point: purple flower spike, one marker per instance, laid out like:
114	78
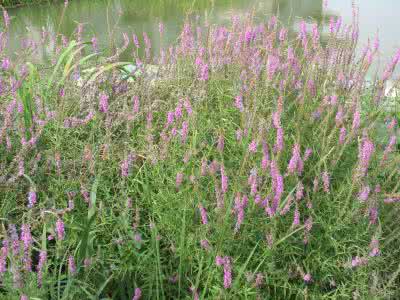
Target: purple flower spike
103	103
32	198
60	229
307	278
138	294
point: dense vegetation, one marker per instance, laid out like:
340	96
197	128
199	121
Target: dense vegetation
243	162
13	3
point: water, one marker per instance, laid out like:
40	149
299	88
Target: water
107	18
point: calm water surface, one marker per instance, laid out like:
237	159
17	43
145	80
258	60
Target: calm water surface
113	17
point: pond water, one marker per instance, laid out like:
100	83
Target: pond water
106	18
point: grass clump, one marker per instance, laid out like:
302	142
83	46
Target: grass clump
242	162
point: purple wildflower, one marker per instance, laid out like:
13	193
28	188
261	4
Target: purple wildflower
6	18
366	150
103	103
279	140
363	195
356	120
273	65
358	261
39	267
135	40
308	224
203	214
214	167
311	87
239	103
60	229
226	263
205	244
277	185
296	217
295	162
204	167
179	179
307	278
299	191
252	181
276	119
32	198
265	159
253	146
161	28
5	64
178	110
170	118
326	181
26	236
307	154
184	131
390	67
392	200
188	107
239	135
203	76
302	30
227	273
339	116
71	265
240	204
373	215
283	34
219	261
272	23
125	165
342	135
374	246
71	205
21	167
333	100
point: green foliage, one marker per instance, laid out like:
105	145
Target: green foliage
132	226
13	3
